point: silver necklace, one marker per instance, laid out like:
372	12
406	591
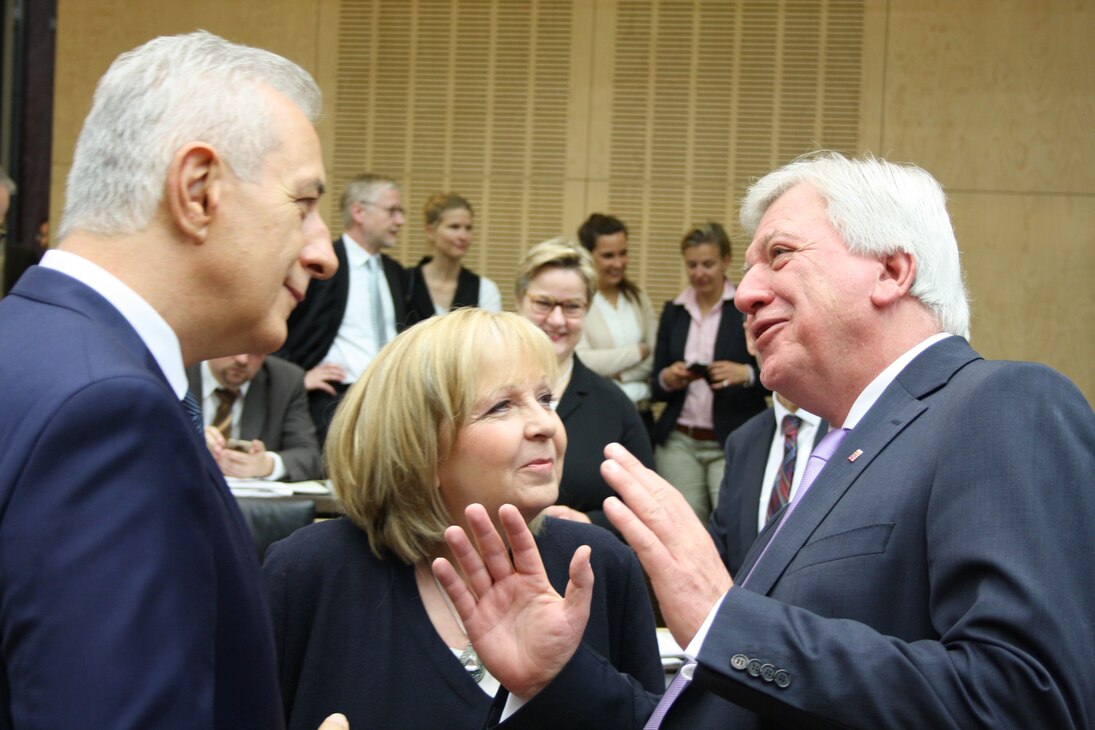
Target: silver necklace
468	657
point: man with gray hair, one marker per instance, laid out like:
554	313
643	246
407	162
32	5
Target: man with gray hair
129	591
337	332
933	569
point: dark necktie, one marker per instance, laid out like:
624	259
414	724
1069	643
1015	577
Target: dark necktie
190	405
818	459
781	489
222	419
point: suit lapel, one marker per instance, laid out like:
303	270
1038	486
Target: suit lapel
255	405
576	391
756	461
898	406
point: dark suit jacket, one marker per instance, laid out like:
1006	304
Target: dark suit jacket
733	406
314	324
733	524
595	413
129	590
940	579
275	410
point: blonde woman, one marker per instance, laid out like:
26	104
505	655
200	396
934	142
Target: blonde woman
555	283
440	282
456	410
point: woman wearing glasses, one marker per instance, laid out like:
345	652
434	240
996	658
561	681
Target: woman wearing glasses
555	284
702	371
440	282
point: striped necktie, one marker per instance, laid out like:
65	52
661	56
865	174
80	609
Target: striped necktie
781	490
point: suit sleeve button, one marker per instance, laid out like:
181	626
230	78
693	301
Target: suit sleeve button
739	661
753	667
767	672
782	679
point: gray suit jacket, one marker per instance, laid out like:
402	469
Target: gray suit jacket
275	410
942	578
733	524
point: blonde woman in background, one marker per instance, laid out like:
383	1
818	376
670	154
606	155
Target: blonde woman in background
454	411
440	282
555	282
620	329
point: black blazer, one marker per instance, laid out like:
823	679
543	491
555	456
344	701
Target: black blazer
733	524
595	413
732	406
314	324
419	304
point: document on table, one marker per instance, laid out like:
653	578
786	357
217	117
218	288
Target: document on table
262	488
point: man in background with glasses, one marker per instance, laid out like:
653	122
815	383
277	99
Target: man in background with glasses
340	328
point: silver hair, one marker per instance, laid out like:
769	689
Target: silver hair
364	188
157	98
880	207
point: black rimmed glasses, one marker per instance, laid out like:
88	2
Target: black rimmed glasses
572	309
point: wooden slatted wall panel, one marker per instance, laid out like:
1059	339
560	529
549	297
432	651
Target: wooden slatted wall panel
468	97
473	96
710	94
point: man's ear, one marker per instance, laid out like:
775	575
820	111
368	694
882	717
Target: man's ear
193	189
895	278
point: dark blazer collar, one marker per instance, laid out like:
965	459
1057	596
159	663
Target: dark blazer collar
577	389
898	406
61	290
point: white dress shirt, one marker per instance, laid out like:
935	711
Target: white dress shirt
356	343
807	432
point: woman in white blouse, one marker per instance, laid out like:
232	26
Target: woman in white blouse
620	328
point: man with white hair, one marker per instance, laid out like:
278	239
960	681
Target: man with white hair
129	591
934	567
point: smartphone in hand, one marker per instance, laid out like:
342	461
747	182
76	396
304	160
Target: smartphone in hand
699	369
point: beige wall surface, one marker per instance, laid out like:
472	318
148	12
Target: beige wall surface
662	110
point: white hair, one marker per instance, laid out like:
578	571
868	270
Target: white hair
879	208
160	96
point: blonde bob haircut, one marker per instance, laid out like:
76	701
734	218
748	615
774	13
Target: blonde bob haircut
556	253
397	423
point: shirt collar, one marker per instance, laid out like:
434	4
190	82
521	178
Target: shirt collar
802	413
687	298
209	383
153	329
355	255
882	381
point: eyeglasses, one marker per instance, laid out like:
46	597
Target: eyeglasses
546	305
392	210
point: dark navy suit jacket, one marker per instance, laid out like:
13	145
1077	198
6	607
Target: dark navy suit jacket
940	579
130	595
733	524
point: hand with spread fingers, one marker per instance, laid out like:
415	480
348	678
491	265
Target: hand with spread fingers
522	629
674	547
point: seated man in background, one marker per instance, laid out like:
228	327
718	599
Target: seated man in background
257	424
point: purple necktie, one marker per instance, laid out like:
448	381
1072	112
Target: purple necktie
684	676
818	459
